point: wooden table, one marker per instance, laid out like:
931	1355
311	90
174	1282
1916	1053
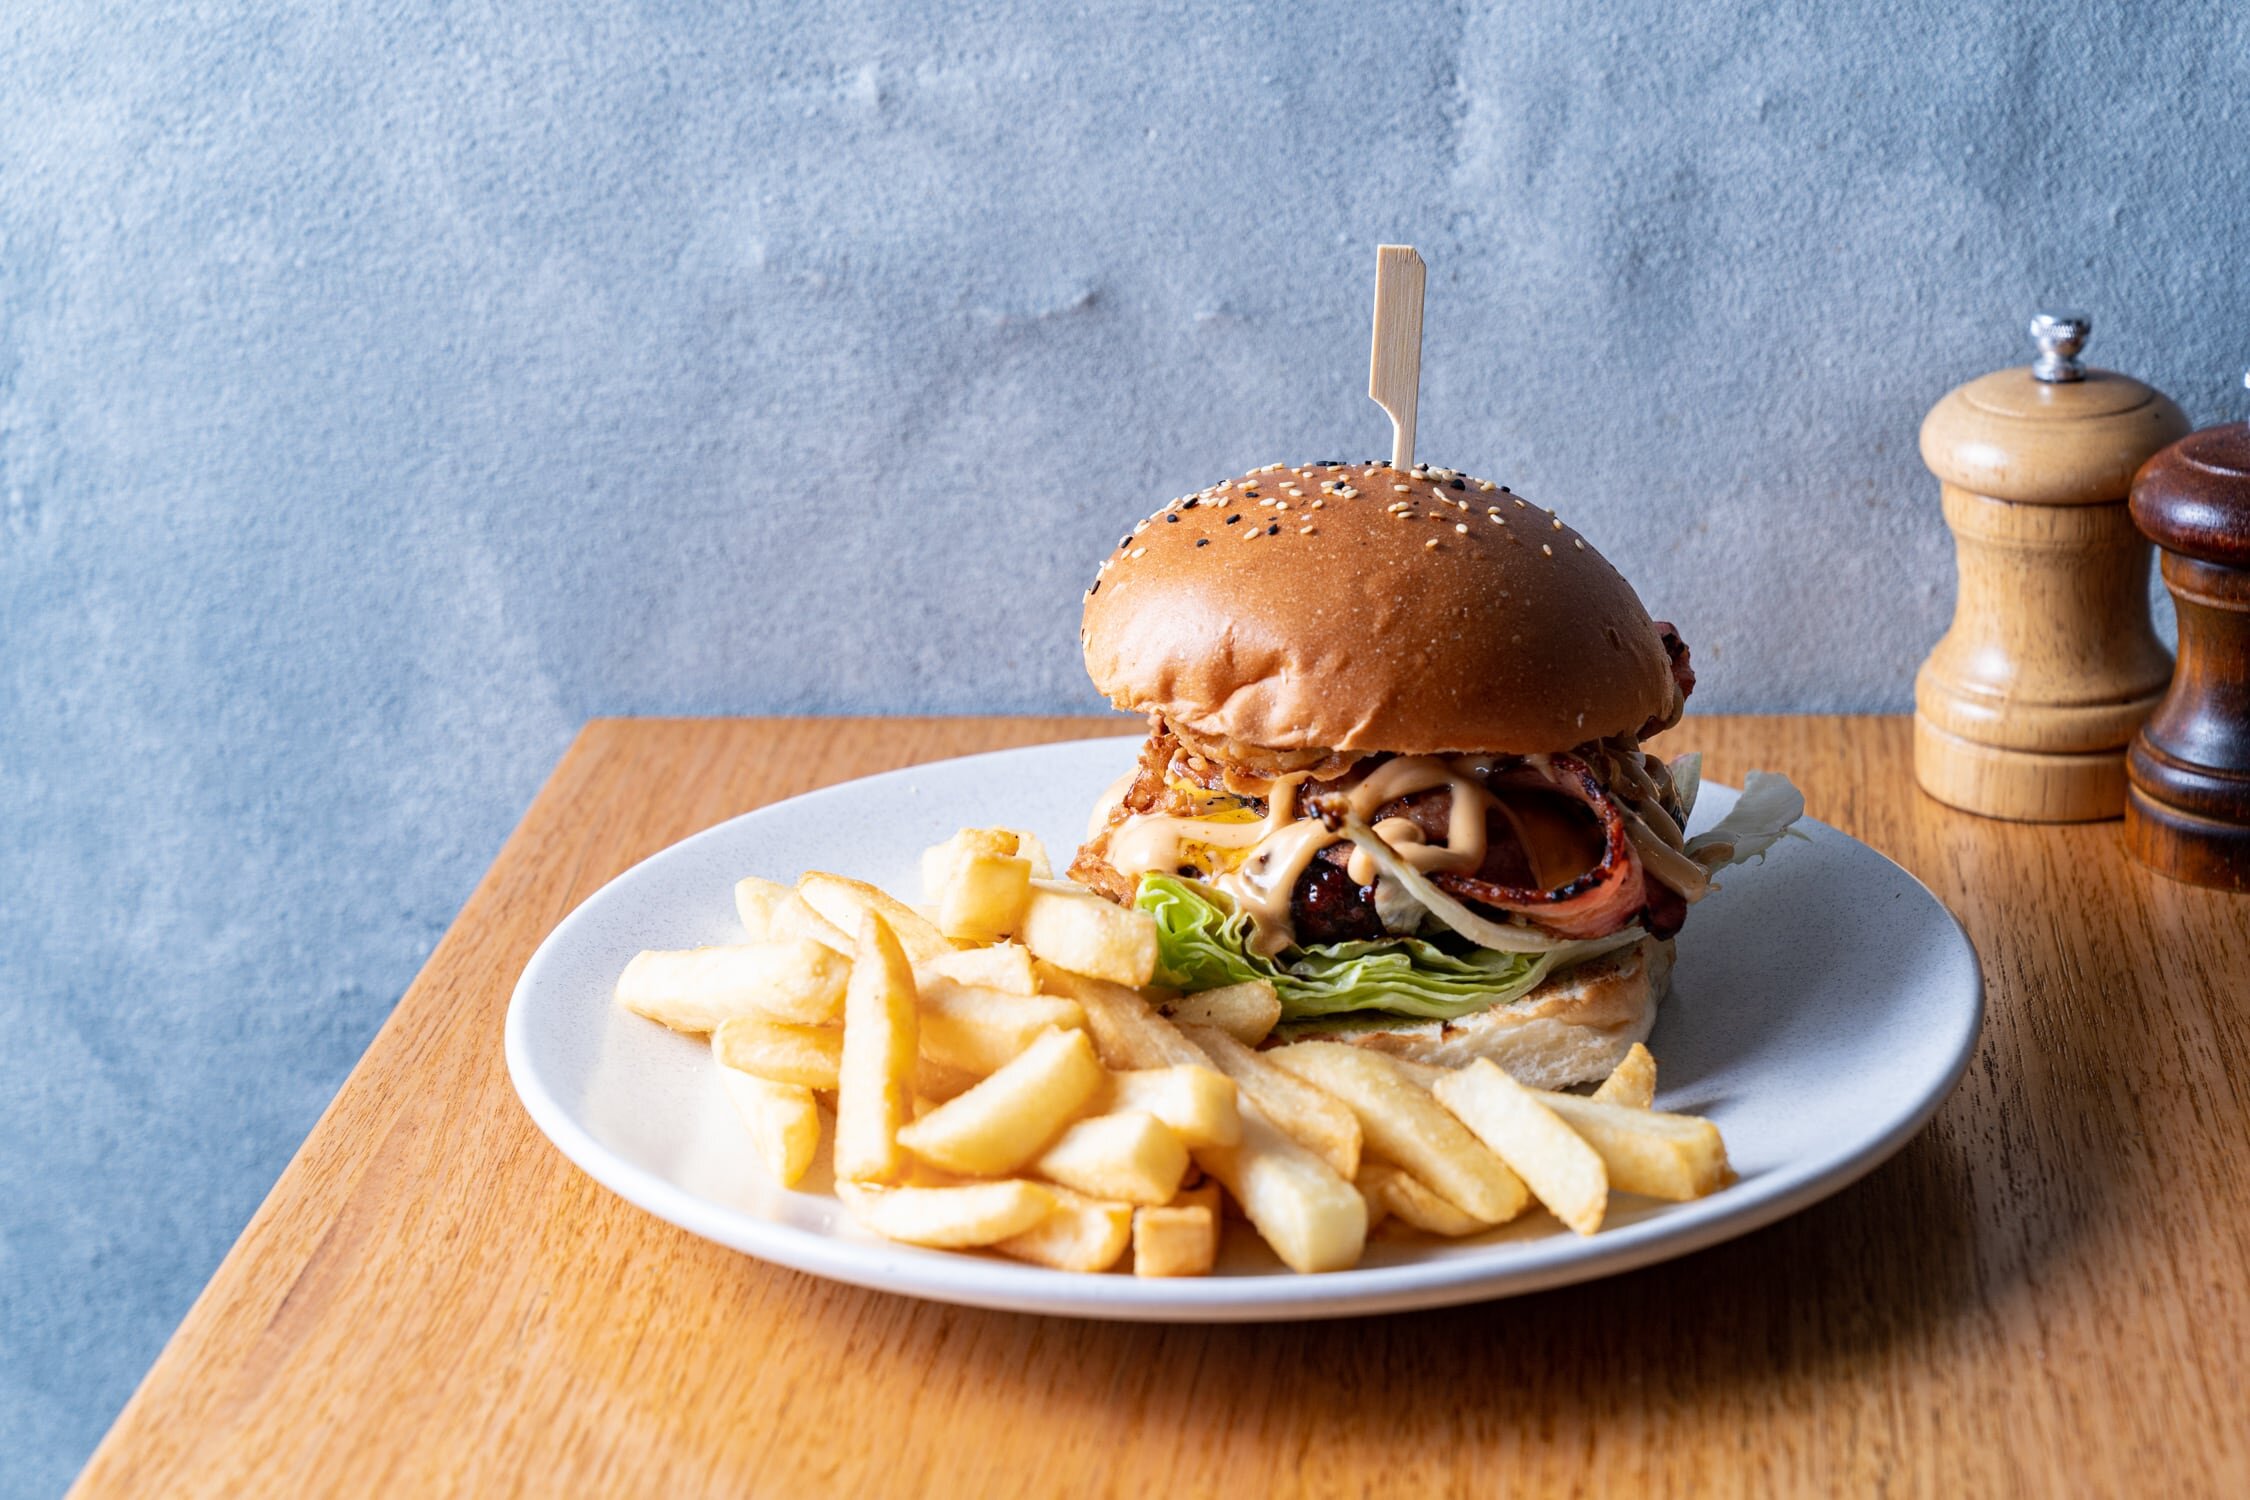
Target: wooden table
2043	1294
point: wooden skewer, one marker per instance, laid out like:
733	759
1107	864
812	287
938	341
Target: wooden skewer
1394	369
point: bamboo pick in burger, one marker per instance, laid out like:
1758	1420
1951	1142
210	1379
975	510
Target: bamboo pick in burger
1394	369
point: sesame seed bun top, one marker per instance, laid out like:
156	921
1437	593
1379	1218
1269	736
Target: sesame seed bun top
1355	608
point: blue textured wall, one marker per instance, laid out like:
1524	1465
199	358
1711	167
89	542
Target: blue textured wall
385	389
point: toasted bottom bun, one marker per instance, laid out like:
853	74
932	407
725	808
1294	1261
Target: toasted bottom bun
1574	1028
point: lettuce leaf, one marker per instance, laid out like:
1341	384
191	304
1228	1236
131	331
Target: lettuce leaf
1203	943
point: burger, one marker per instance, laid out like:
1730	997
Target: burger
1397	767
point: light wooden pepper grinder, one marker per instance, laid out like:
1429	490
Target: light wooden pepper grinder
2025	708
2189	814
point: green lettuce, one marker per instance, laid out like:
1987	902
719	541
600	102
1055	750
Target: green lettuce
1203	943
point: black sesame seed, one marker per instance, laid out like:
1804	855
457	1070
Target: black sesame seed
1097	588
1172	519
1270	530
1505	490
1203	541
1234	518
1190	503
1460	484
1123	542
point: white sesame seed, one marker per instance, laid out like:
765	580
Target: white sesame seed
1558	525
1546	549
1403	488
1519	503
1463	530
1431	544
1486	484
1579	542
1304	531
1281	505
1138	552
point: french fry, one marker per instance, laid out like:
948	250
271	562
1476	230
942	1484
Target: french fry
1425	1074
1313	1219
1562	1171
1323	1124
1677	1157
1179	1239
782	1118
1312	1216
1632	1082
1197	1102
1246	1012
936	1083
755	901
1129	1158
1078	1234
986	898
1003	966
941	862
1396	1192
873	1096
1033	849
1077	930
795	918
1407	1127
779	1051
1127	1031
948	1218
980	1031
1010	1117
843	901
695	989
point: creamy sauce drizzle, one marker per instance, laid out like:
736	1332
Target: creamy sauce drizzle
1111	800
1279	847
1283	844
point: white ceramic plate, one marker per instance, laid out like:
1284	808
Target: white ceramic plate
1823	1005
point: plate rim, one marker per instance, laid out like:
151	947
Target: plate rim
971	1280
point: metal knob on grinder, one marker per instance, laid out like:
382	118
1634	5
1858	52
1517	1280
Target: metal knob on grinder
2188	814
2025	708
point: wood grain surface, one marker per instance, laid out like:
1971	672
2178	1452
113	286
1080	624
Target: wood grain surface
2043	1294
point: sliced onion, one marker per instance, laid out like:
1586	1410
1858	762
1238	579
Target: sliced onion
1687	780
1396	908
1663	861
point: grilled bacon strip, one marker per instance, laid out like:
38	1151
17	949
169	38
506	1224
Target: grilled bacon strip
1598	901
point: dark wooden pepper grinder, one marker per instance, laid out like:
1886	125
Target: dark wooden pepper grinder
2187	812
